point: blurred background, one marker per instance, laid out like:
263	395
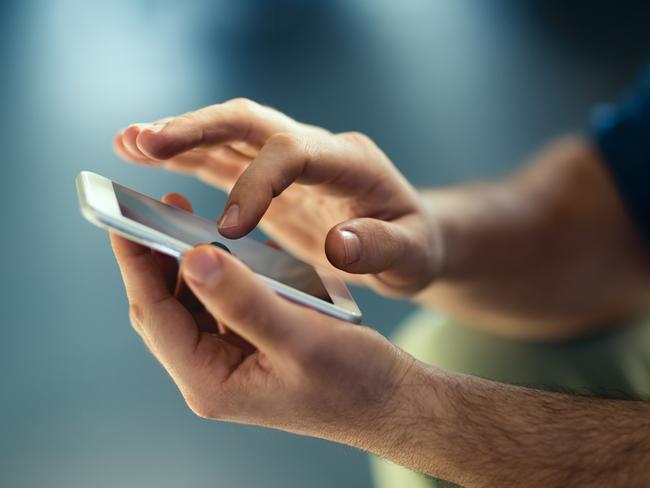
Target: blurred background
453	90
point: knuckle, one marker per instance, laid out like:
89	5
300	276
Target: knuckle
204	401
201	408
358	138
242	103
389	235
184	119
136	316
286	142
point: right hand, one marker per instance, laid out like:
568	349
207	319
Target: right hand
271	362
334	200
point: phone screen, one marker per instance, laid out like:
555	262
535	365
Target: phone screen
191	229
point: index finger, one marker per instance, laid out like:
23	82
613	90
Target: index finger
167	327
235	120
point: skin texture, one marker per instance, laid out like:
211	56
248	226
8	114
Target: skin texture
547	253
305	184
481	433
528	256
300	374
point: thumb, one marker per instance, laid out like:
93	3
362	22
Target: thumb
235	296
371	246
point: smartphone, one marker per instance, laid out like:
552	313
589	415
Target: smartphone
172	231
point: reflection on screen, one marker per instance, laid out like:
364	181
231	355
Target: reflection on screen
193	230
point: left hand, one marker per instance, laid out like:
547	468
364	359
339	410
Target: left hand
275	363
333	200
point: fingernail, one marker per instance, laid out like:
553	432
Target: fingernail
203	266
230	218
352	246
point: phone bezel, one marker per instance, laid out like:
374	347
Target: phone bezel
99	206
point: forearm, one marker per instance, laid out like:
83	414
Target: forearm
479	433
550	247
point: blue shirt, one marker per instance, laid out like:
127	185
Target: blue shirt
622	133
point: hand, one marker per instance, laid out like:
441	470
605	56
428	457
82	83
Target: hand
334	200
274	363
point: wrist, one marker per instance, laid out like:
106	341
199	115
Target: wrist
418	423
436	234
